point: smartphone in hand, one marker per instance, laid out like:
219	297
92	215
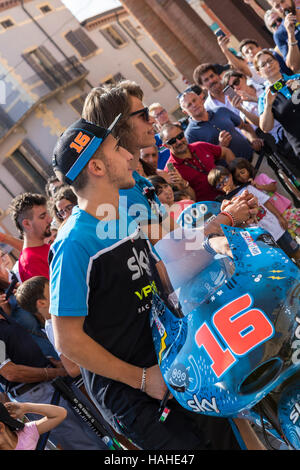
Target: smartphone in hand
170	167
220	33
229	91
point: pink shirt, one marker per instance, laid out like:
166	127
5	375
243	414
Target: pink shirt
28	437
280	202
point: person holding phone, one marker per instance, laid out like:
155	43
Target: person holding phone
206	75
280	101
287	35
193	161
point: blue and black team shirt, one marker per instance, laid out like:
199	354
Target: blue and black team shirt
102	273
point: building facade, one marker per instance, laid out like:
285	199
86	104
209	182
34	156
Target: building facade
185	28
48	64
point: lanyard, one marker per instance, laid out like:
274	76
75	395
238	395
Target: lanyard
191	165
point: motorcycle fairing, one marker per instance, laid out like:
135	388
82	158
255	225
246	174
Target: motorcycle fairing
233	345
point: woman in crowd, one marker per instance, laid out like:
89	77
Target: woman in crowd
280	101
62	204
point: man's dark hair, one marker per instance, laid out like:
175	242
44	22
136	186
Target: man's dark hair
231	73
21	208
245	42
149	170
166	127
202	69
102	106
30	291
216	174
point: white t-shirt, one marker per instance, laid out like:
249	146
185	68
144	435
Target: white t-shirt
266	219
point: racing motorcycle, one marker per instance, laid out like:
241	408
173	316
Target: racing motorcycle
227	337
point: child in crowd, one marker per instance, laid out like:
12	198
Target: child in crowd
244	172
166	196
17	435
33	296
268	217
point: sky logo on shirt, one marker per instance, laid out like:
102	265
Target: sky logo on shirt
139	264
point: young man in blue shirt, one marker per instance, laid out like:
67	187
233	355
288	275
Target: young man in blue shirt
99	321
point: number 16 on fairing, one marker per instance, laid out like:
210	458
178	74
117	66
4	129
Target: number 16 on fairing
241	328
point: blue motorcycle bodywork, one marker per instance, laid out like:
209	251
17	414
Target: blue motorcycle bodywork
234	342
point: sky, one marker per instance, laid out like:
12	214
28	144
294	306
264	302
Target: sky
83	9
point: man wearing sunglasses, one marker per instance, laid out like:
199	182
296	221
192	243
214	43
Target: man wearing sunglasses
135	131
194	161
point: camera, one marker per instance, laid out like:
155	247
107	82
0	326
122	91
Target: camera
277	86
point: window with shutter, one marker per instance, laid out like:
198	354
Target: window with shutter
81	42
131	29
45	8
7	23
24	172
35	158
146	72
114	36
113	79
78	102
47	67
163	65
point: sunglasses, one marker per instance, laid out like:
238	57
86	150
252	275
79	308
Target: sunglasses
222	183
276	23
236	82
144	112
177	137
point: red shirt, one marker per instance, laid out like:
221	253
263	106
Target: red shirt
33	261
197	177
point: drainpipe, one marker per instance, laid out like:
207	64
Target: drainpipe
146	54
50	39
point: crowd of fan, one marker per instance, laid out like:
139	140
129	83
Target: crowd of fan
233	119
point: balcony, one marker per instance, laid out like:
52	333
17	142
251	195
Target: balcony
18	100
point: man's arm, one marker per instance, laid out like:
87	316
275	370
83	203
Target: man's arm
12	241
227	154
80	348
25	374
266	119
237	64
292	59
